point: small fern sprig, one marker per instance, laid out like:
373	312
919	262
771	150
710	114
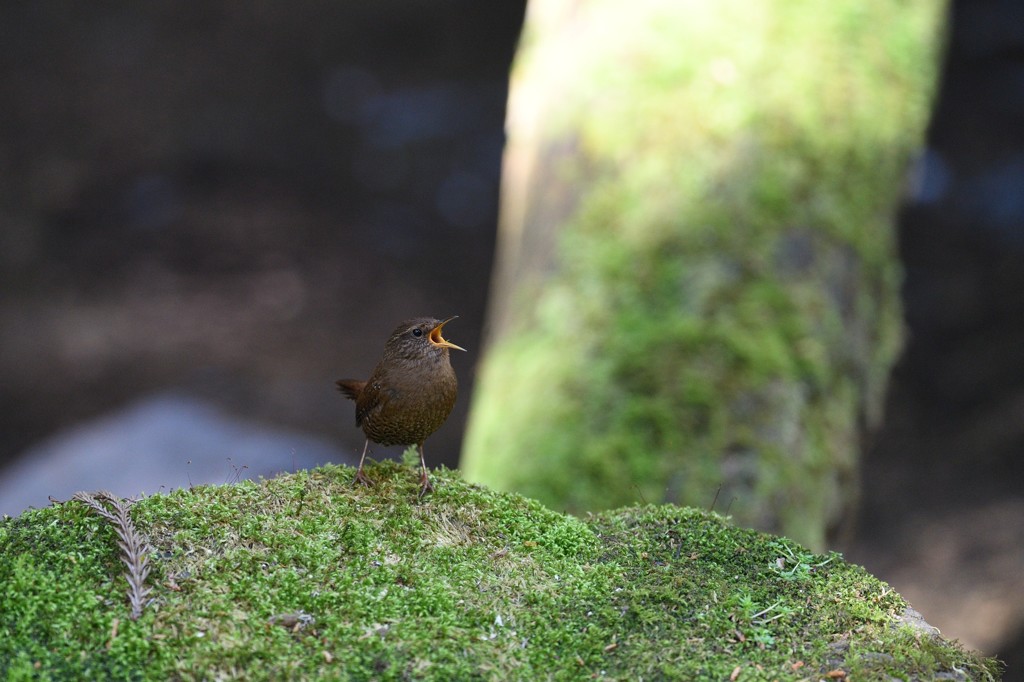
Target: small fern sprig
135	550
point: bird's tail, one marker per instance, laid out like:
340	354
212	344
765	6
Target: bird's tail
351	388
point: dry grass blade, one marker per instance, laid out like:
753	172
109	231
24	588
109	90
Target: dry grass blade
135	550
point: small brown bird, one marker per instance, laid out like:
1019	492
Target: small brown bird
410	393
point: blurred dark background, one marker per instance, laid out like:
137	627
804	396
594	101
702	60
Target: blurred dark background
942	515
219	208
212	210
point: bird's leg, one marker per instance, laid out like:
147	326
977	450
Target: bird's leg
361	478
425	485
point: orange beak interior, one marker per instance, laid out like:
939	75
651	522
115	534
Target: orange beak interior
438	340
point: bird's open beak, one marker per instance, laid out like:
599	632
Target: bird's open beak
438	340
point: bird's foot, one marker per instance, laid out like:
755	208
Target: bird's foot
362	479
425	485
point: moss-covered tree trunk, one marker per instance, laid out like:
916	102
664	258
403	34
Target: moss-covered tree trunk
696	281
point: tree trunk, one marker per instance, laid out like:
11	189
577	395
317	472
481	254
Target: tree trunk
696	291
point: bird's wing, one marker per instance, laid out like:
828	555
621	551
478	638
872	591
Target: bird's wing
371	401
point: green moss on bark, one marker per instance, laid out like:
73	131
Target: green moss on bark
306	577
719	302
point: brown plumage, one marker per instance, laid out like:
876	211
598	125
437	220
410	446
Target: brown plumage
409	394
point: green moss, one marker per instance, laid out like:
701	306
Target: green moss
307	577
722	307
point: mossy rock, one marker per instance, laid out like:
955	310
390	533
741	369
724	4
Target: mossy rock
307	577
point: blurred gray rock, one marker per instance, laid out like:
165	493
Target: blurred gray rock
154	445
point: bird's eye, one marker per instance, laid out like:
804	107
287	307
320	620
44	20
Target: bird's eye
417	332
